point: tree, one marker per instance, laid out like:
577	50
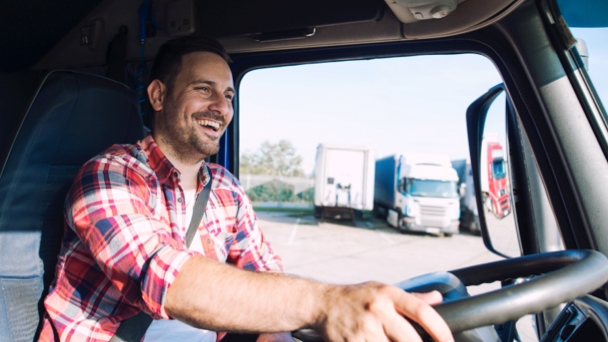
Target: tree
278	159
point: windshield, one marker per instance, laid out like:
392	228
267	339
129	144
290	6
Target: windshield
499	170
431	188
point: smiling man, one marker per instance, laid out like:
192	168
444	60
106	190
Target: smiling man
127	214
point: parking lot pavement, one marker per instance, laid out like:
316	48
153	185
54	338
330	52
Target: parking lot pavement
340	253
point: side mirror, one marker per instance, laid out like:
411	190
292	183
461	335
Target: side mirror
493	194
581	46
462	190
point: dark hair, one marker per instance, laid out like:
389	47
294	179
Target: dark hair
168	61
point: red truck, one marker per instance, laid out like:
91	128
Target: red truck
494	180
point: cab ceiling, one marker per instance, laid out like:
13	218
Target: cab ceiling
55	42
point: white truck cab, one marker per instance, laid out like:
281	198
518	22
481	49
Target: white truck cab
418	193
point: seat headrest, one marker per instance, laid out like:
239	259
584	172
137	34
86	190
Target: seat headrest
87	113
72	118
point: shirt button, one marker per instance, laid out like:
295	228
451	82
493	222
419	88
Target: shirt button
175	174
208	240
179	200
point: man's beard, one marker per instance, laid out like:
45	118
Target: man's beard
186	145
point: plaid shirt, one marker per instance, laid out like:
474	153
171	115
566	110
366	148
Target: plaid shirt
124	240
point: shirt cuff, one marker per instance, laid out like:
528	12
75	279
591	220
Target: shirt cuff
164	267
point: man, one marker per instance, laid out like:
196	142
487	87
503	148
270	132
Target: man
127	214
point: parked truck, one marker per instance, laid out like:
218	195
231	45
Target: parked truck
418	193
469	217
493	174
344	181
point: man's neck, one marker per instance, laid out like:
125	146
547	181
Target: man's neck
189	170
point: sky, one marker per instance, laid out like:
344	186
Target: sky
395	105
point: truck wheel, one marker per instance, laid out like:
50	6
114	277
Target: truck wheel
474	228
318	212
380	212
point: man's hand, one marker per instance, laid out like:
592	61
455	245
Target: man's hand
374	312
275	337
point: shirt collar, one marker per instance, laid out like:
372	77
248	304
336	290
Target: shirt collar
163	167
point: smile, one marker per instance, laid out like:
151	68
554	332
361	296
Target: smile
206	123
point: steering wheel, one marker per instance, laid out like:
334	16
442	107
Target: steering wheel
559	277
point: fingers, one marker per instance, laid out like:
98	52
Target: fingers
375	312
399	330
418	310
431	298
374	332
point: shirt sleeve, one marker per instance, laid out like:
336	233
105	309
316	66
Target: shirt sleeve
109	209
250	250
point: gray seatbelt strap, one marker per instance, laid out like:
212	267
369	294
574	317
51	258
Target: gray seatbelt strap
133	329
199	211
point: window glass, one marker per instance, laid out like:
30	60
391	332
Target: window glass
431	188
360	170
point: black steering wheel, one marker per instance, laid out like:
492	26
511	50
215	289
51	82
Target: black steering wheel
559	277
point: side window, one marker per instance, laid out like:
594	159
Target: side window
360	170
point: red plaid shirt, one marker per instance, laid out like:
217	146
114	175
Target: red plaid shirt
124	240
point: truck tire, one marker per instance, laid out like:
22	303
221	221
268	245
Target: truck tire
380	211
474	227
318	212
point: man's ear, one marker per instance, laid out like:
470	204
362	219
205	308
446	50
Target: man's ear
157	92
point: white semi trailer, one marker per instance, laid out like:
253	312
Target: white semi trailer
344	180
418	193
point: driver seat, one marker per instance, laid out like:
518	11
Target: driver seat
72	118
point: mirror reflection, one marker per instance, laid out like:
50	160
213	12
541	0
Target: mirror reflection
496	182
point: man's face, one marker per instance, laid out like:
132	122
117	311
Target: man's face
196	112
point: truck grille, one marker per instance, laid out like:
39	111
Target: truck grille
427	210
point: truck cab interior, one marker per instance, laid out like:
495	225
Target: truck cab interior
70	86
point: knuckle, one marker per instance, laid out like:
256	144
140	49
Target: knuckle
374	307
365	326
422	311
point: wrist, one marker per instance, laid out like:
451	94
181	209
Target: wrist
325	295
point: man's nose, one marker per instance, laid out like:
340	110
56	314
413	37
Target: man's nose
220	104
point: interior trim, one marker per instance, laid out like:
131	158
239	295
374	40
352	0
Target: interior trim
469	16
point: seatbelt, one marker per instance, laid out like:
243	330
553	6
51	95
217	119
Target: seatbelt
133	329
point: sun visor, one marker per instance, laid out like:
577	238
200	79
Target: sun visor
236	17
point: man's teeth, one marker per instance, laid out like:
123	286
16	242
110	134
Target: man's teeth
209	123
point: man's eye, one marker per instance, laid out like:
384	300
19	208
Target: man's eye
205	91
229	96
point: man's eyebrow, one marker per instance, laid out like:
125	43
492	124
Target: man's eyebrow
211	83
